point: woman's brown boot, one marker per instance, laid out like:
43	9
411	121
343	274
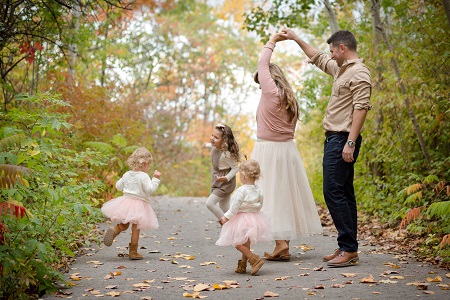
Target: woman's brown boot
256	262
133	254
110	234
241	267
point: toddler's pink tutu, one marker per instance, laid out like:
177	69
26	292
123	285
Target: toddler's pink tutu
126	209
245	226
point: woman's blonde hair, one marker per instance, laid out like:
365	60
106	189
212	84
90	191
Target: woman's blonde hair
250	169
140	157
286	94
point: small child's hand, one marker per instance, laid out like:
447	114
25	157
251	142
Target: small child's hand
156	174
223	220
221	179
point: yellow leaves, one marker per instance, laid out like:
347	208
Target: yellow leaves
219	286
392	265
115	273
194	295
435	279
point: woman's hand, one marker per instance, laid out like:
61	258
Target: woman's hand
276	37
221	179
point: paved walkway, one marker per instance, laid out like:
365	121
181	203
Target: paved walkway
181	256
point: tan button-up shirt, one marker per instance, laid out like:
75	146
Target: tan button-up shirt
352	88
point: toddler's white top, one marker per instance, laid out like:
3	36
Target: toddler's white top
137	183
247	198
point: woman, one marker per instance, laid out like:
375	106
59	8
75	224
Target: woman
287	196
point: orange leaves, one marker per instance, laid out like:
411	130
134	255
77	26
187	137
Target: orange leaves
445	241
410	216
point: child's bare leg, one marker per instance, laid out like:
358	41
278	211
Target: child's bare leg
123	226
245	250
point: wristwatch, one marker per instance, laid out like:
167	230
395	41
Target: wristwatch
351	143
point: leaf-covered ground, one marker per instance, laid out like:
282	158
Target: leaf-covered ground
181	261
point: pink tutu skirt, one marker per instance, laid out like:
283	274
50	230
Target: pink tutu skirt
245	226
126	209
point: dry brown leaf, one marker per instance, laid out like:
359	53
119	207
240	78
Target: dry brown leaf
443	286
95	292
283	278
174	262
201	287
319	287
121	267
111	287
208	263
115	273
391	265
376	293
318	269
387	281
447	275
304	274
113	294
142	285
428	292
368	279
219	286
435	279
338	285
397	277
348	274
270	294
146	298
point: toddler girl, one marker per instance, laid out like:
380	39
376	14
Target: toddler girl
225	158
244	223
134	205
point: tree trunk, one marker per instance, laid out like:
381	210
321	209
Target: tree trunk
412	116
73	48
447	9
332	17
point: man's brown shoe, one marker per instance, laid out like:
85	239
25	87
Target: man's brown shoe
344	259
331	256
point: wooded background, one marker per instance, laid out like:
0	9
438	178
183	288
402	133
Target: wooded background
84	82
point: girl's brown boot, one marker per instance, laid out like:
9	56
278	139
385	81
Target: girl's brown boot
133	254
241	267
256	262
110	234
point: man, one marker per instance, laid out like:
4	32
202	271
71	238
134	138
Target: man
343	122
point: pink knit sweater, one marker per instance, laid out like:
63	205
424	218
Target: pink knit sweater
272	123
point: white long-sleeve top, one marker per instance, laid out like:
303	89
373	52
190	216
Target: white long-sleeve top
227	162
247	198
138	184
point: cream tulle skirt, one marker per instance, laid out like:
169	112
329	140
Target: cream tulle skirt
243	227
126	209
288	199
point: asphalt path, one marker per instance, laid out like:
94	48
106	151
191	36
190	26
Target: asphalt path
181	261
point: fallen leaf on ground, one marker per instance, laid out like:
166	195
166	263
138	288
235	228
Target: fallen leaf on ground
338	285
110	287
113	294
208	263
201	287
115	273
397	277
319	287
283	278
304	274
318	269
270	294
443	286
219	286
95	262
146	298
428	292
435	279
368	279
391	265
348	274
447	275
142	285
387	281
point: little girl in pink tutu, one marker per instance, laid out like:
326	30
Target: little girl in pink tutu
134	205
244	224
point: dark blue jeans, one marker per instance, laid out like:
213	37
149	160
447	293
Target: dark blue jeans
338	190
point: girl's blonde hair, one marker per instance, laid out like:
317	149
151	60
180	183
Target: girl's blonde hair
140	157
250	169
286	94
229	143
